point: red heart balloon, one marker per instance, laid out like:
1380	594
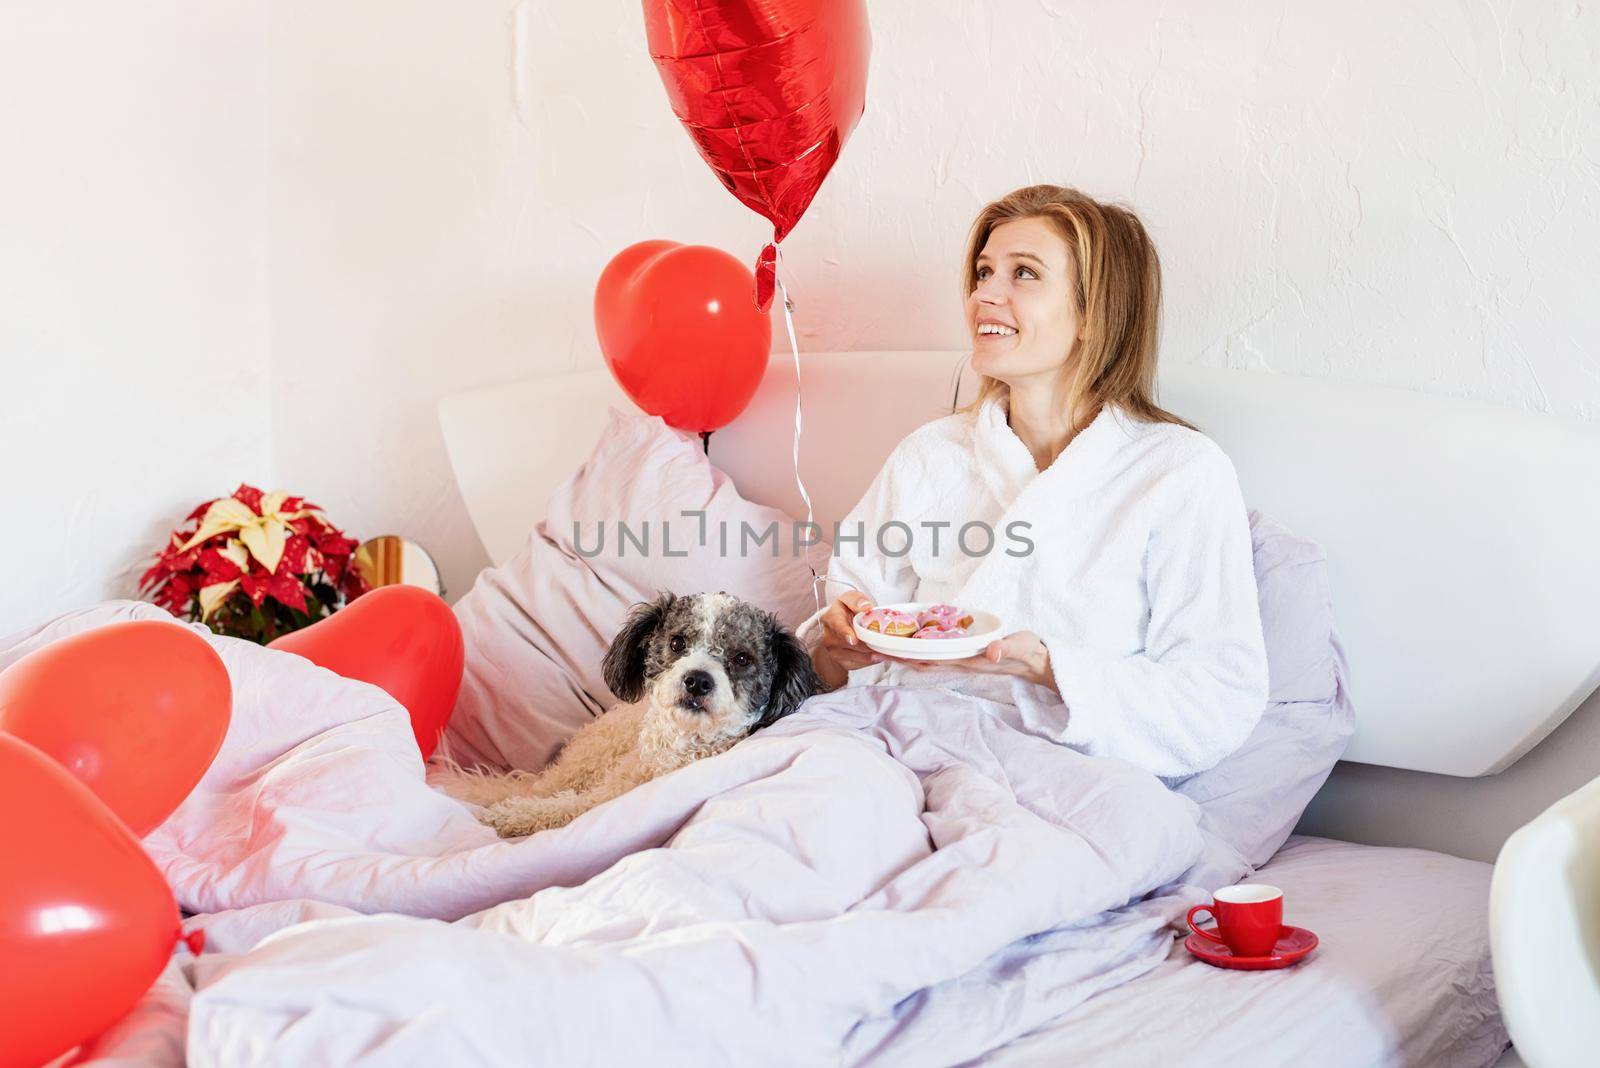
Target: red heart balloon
769	90
136	710
402	639
86	920
679	333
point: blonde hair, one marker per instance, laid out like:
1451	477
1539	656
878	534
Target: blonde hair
1117	287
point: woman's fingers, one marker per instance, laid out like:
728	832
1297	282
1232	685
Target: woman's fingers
851	656
839	648
851	659
836	621
836	625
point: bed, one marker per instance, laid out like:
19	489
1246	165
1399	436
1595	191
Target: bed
886	877
1404	974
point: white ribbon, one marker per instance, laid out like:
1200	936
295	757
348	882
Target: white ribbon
794	349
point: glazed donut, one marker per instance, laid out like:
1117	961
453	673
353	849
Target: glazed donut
944	615
889	621
935	631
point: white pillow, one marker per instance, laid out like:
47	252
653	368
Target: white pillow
1251	801
537	626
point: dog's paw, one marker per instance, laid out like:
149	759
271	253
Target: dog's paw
516	817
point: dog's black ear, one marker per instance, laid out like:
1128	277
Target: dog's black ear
794	678
623	665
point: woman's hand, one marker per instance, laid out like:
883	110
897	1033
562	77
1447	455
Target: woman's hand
1022	654
840	651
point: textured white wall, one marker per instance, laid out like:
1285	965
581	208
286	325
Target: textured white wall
132	285
1405	192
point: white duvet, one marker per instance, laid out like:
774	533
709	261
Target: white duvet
891	875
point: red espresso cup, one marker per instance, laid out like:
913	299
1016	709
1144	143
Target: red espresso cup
1249	918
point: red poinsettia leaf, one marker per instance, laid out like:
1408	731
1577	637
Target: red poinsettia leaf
174	594
249	496
334	567
287	590
292	504
293	561
201	510
177	563
255	587
335	544
217	568
304	525
354	584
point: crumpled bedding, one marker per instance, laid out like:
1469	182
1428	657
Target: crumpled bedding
882	842
891	875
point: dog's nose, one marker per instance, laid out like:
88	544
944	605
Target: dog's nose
698	683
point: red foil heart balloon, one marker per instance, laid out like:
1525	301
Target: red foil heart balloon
136	710
769	90
402	639
86	920
679	333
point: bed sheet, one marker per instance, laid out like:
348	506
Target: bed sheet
879	878
865	873
1402	976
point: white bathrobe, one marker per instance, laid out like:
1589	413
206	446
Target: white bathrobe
1139	580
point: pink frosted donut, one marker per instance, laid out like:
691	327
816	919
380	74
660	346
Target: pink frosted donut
944	615
935	631
889	621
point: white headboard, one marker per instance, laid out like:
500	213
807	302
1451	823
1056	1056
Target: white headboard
1463	539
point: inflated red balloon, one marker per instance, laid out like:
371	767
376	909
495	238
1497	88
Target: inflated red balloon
87	923
680	334
136	710
402	639
769	90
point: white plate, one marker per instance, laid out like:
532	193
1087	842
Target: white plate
985	629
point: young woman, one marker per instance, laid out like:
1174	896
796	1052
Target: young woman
1108	534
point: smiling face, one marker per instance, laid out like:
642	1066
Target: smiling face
1023	312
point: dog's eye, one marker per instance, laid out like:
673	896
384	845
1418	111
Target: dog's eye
740	660
677	644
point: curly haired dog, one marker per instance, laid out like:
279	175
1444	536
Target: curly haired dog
695	674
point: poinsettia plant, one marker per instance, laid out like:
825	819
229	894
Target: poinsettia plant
255	565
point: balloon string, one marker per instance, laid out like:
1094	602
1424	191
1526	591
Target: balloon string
794	349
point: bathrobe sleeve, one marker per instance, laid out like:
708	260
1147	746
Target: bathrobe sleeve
1197	689
856	562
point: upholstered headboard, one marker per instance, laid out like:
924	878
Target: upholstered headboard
1463	539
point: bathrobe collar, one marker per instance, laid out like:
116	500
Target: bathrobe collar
1007	465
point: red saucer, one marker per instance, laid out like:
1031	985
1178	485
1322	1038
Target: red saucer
1293	944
